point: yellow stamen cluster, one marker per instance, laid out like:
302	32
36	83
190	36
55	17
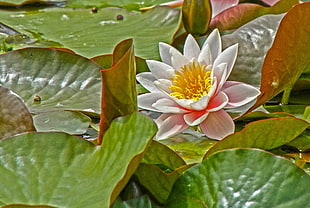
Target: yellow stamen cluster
192	82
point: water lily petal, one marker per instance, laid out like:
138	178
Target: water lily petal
164	51
215	44
146	79
239	93
228	56
163	84
196	117
166	105
218	125
147	100
239	111
220	72
191	48
160	70
205	57
169	125
201	104
218	102
220	5
177	59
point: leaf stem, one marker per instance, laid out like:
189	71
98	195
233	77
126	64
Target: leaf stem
286	96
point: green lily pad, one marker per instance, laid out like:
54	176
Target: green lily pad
25	2
265	134
61	80
127	4
14	115
119	94
254	40
60	170
65	121
92	34
284	63
242	178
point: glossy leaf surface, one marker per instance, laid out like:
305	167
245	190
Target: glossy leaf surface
265	134
284	63
61	79
14	115
240	14
89	34
64	171
119	94
242	178
66	121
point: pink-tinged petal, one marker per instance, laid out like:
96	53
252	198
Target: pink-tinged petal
185	103
147	100
169	125
239	111
215	44
228	56
195	118
191	48
166	105
205	57
146	79
220	5
218	125
218	102
159	69
270	2
201	104
240	94
214	87
220	72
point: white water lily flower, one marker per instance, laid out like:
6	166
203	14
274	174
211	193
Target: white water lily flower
192	89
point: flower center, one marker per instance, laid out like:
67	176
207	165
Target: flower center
192	82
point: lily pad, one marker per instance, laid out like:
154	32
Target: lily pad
265	134
90	34
242	178
284	63
255	39
236	16
14	115
127	4
65	121
60	170
58	79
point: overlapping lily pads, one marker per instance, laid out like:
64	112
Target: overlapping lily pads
64	171
242	178
91	34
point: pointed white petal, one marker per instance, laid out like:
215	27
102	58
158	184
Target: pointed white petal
166	105
163	84
201	104
164	51
146	79
218	125
239	93
147	100
218	102
191	48
159	69
169	125
220	72
177	59
195	118
228	56
239	111
215	44
205	57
